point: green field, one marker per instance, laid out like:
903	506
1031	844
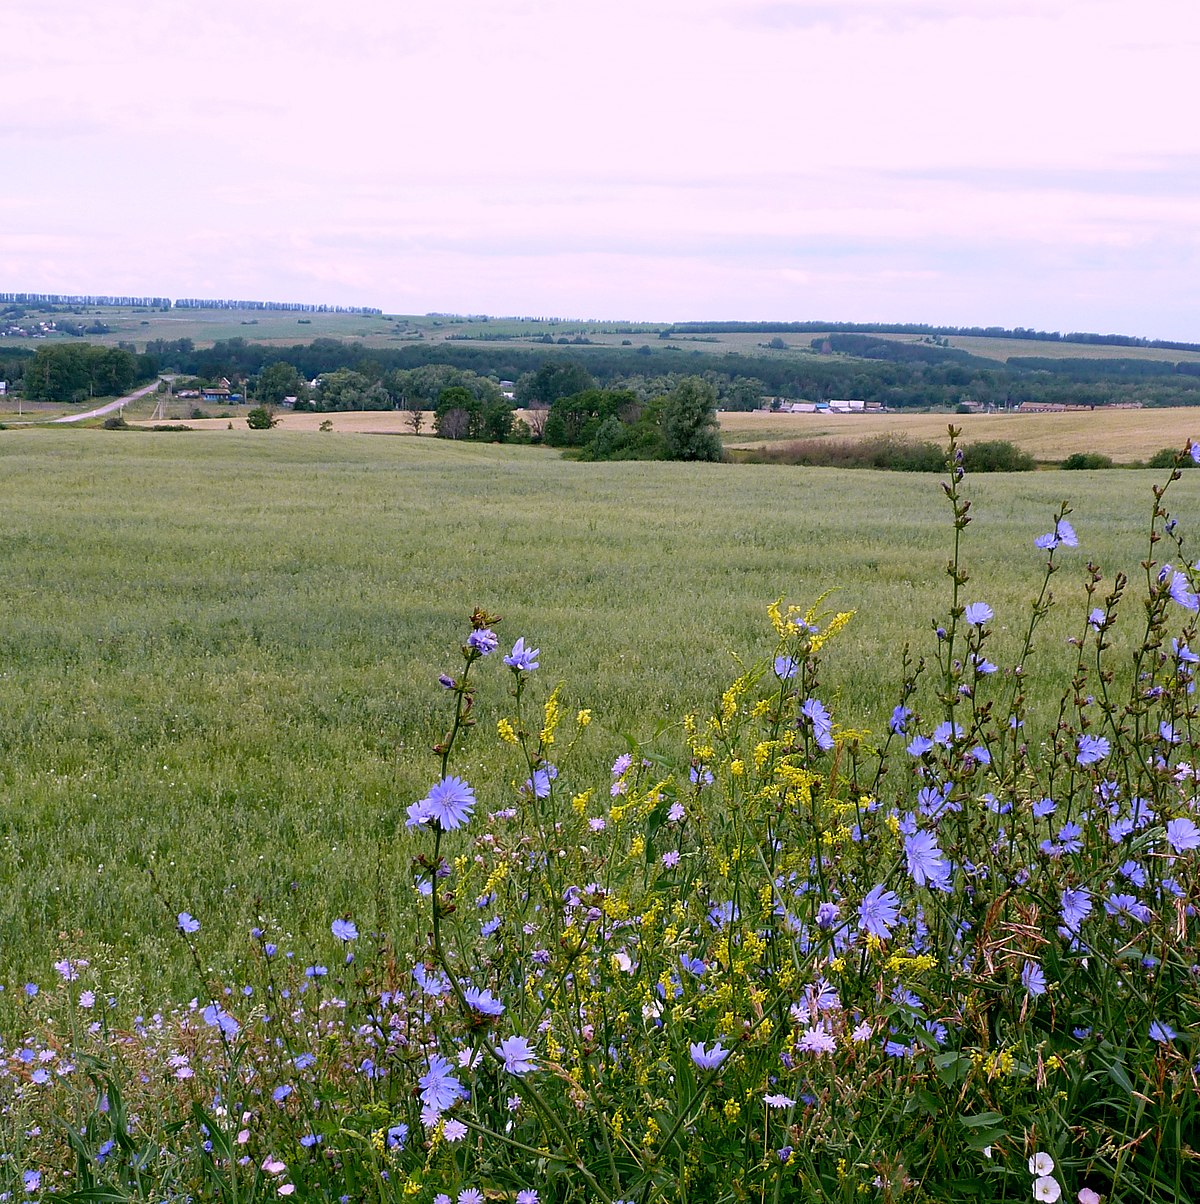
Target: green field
220	650
285	328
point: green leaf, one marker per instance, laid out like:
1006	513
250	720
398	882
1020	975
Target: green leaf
980	1120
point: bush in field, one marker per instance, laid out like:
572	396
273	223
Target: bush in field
1168	457
996	455
261	418
877	451
765	957
1092	460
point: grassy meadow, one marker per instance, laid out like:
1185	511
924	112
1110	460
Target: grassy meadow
220	650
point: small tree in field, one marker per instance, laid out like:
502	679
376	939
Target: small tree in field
689	421
261	418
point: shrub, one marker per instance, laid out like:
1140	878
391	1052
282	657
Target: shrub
996	455
1169	457
1078	460
261	418
116	422
877	451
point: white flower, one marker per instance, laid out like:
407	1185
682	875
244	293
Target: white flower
1046	1189
1041	1164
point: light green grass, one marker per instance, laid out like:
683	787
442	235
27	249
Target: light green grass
219	652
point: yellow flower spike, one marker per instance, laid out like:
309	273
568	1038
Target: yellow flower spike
732	1110
552	714
579	804
583	718
412	1187
774	613
893	823
737	768
506	731
834	626
496	877
689	724
760	708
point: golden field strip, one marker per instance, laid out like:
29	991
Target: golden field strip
1128	436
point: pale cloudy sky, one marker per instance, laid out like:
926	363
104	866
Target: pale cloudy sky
1011	162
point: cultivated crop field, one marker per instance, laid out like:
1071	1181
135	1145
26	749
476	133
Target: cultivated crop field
1125	435
220	651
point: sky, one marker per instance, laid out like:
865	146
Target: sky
1010	162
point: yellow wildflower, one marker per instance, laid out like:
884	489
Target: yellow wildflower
552	715
506	731
583	718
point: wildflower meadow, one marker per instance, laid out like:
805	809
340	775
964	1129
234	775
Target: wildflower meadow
759	955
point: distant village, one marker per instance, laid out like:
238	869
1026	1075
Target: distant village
784	405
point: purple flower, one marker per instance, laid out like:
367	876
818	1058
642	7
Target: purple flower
397	1135
1092	749
449	804
31	1180
898	722
1121	905
344	930
1162	1032
470	1195
439	1088
483	641
281	1092
1076	907
786	667
539	784
919	746
879	912
528	1196
186	923
977	613
1033	979
822	722
1098	619
707	1059
925	862
522	658
483	1002
1181	592
1069	838
518	1056
1182	834
1066	534
216	1016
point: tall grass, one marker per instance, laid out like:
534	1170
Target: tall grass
217	649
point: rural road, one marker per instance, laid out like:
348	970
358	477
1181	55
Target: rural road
112	405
